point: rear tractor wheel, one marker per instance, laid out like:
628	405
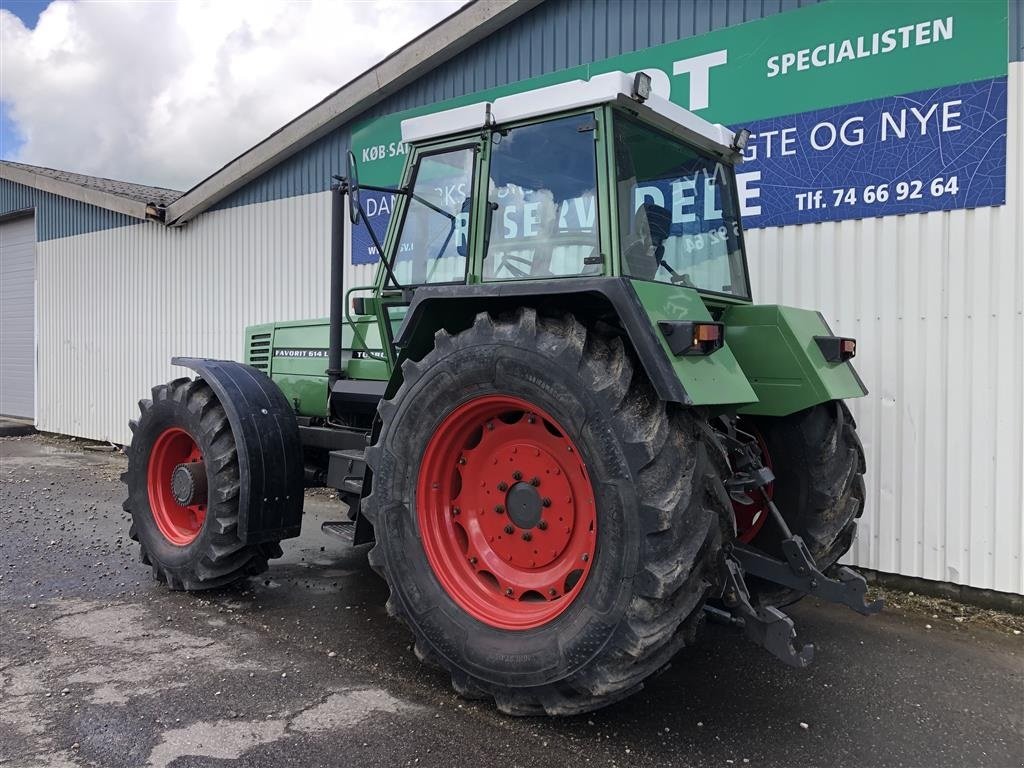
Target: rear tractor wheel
548	528
818	462
183	487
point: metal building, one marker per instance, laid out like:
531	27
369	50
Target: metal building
125	276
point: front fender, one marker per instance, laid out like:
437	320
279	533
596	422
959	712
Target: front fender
266	432
638	305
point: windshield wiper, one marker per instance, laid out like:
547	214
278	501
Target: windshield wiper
389	264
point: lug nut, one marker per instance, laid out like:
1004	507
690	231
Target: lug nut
509	529
531	419
500	509
517	475
503	486
543	525
456	511
472	561
546	501
586	557
526	536
552	592
462	460
508	592
535	481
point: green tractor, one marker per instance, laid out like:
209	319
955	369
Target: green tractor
557	415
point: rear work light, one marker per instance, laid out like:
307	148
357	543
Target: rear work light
687	338
836	349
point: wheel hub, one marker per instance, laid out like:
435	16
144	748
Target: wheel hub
506	512
188	483
524	505
176	484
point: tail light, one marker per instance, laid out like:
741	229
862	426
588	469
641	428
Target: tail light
686	338
836	349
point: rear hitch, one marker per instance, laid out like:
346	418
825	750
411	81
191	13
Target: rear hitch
800	573
765	625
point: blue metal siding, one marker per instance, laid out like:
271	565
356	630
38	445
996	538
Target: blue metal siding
58	216
305	172
556	35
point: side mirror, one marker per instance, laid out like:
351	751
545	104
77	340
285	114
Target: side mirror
352	174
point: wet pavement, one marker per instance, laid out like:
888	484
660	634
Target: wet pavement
102	666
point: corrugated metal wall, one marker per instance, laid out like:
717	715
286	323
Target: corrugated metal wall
115	305
935	301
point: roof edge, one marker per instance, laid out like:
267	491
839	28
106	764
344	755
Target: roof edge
73	191
443	41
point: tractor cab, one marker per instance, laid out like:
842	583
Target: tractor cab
617	182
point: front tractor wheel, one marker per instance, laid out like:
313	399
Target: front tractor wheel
183	486
548	528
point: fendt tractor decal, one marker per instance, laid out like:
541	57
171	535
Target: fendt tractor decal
301	352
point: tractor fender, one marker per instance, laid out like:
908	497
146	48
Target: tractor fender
776	347
266	432
712	380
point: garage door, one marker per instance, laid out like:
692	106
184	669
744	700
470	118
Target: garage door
17	317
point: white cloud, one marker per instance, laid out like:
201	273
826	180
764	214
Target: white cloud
165	93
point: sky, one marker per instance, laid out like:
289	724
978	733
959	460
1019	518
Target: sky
165	92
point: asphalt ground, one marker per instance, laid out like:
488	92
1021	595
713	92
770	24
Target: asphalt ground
102	666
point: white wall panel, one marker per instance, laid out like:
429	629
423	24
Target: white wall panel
114	306
18	317
935	301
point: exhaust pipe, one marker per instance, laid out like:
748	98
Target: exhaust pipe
337	284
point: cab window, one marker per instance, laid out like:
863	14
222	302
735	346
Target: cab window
432	243
542	201
679	220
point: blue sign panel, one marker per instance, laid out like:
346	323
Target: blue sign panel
934	150
378	207
928	151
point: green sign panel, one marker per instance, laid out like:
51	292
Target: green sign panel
838	52
857	108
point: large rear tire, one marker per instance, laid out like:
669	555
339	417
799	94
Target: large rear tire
183	487
564	598
819	467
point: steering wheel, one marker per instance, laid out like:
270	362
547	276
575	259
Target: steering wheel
524	266
639	257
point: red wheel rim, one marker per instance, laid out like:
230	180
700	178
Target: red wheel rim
180	524
750	517
491	465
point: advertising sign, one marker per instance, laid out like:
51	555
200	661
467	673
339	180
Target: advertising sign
856	109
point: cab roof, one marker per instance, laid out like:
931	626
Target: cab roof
610	88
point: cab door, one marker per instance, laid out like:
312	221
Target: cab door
432	235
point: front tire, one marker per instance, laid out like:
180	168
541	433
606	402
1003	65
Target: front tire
639	512
183	488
